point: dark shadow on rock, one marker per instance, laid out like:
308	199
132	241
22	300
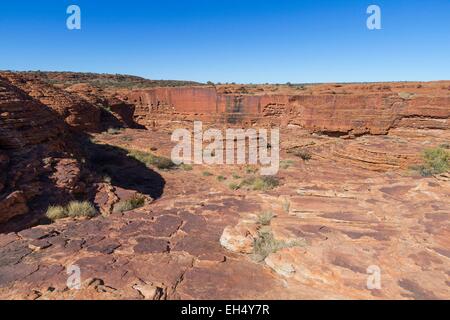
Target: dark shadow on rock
120	116
124	171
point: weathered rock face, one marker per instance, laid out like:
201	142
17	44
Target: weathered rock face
370	113
34	145
23	120
114	112
77	112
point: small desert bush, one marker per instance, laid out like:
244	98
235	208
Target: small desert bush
435	161
302	154
221	178
263	183
130	204
81	209
207	174
235	176
234	186
56	212
149	159
266	244
265	218
186	167
250	170
445	145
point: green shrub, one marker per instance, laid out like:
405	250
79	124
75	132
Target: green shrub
436	161
266	244
207	174
163	163
445	145
234	186
265	218
221	178
56	212
302	154
186	167
263	183
136	202
149	159
235	176
250	170
81	209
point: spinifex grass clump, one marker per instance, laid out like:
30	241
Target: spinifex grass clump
262	183
81	209
435	161
265	218
136	202
265	244
73	209
150	159
56	212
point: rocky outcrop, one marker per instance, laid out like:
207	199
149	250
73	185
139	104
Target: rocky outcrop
115	112
23	120
35	146
77	112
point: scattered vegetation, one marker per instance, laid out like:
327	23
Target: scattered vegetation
207	174
56	212
221	178
186	167
262	183
250	170
234	186
136	202
73	209
302	154
105	81
266	244
435	161
445	145
265	218
235	176
81	209
149	159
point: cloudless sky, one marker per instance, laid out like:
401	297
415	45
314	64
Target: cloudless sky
244	41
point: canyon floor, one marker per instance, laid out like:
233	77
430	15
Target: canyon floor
348	209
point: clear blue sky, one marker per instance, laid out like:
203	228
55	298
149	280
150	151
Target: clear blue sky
244	41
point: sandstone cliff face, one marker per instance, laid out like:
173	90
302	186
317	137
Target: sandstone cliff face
78	113
372	113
